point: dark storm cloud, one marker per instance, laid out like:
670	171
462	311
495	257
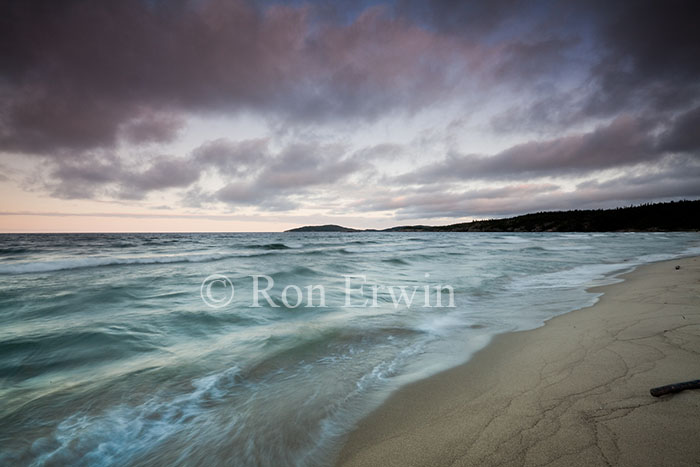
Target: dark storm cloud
684	134
464	17
81	74
78	70
153	128
525	61
649	60
643	59
78	74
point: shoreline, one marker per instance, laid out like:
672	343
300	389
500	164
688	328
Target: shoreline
572	392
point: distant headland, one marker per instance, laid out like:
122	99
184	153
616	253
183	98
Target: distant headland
659	217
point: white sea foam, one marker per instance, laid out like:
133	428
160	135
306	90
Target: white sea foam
441	325
122	432
579	276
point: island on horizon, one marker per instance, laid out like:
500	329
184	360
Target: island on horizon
658	217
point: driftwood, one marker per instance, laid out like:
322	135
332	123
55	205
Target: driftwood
673	388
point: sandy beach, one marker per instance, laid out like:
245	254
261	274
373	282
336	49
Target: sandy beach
574	392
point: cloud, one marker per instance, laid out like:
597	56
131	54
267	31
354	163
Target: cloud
545	112
431	203
289	174
624	141
638	71
82	179
152	127
103	91
105	175
464	17
523	62
675	180
254	174
639	59
73	80
233	157
684	134
162	173
83	75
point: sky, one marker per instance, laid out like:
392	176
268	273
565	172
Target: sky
213	115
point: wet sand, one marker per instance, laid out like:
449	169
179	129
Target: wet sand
574	392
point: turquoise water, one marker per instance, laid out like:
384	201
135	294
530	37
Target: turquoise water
109	355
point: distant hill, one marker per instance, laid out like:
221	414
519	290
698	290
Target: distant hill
323	228
659	217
